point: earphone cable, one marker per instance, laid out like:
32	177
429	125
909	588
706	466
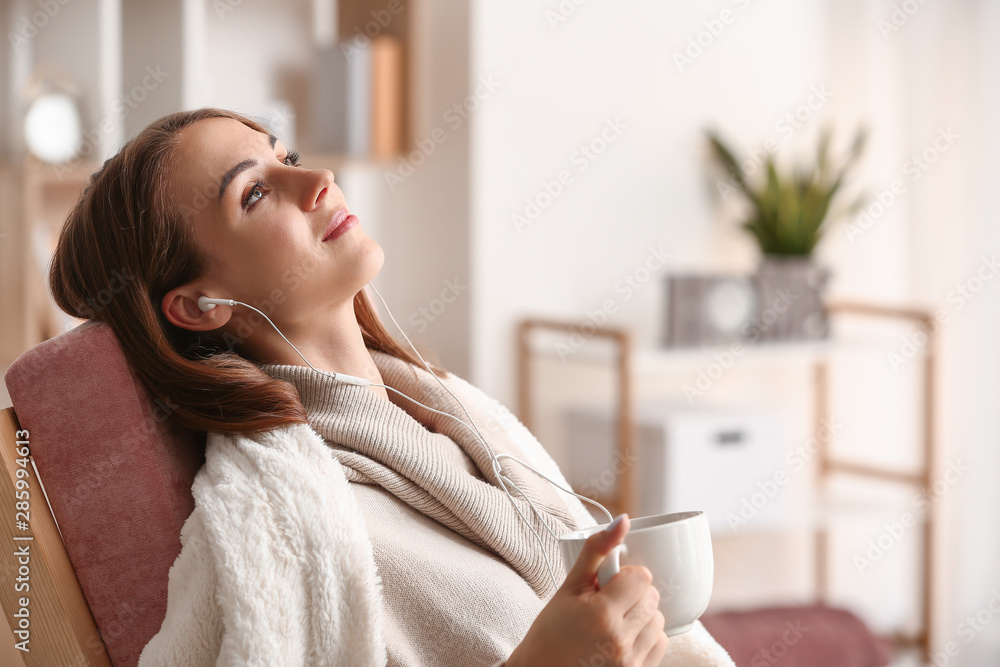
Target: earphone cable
497	470
497	467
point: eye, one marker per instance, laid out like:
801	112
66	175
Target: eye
255	194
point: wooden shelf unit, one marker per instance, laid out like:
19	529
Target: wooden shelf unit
103	47
829	465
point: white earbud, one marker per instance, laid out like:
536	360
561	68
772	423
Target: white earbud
207	304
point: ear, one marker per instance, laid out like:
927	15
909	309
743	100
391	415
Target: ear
180	307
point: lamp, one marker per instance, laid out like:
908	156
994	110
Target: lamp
52	125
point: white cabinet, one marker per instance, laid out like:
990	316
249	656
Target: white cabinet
726	463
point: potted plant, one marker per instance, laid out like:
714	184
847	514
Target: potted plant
788	214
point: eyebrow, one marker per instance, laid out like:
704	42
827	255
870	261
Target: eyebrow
240	168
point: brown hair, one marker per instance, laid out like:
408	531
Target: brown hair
123	247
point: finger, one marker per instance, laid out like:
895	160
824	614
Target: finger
647	638
643	610
595	548
627	588
655	656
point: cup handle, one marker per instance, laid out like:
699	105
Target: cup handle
610	566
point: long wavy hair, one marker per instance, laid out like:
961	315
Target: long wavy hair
123	238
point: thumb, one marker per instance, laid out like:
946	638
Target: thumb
595	548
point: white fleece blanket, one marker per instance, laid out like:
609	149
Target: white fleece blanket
276	567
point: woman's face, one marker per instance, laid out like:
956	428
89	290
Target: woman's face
261	222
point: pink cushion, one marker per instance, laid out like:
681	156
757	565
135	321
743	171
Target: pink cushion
117	474
807	636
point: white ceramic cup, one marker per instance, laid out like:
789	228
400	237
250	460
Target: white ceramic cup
677	549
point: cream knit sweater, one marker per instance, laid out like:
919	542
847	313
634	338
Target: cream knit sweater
462	576
377	535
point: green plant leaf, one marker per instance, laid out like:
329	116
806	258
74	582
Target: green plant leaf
725	156
790	210
823	152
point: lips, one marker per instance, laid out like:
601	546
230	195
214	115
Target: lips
339	216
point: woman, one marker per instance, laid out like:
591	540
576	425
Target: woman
207	202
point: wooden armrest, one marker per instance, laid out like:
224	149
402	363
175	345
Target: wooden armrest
36	575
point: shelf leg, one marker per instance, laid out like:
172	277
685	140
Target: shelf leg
822	537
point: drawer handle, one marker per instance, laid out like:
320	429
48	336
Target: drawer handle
729	437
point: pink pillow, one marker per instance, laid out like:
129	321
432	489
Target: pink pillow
807	636
117	473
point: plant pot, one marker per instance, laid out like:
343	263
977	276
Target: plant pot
791	290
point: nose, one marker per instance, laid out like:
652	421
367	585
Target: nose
316	188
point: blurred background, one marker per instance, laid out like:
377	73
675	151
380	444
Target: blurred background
792	327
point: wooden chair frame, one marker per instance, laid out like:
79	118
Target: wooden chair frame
921	479
59	627
625	499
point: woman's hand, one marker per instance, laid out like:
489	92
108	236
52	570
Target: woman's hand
619	625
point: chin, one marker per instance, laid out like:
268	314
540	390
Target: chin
370	262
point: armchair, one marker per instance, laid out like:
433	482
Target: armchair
104	530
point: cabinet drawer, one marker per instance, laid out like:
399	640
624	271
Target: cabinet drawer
719	461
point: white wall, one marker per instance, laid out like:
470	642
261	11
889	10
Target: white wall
150	30
426	277
975	552
245	67
558	85
558	88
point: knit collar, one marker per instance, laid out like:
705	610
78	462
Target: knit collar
329	402
410	452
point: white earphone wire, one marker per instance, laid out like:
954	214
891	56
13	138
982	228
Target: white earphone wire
502	479
498	468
